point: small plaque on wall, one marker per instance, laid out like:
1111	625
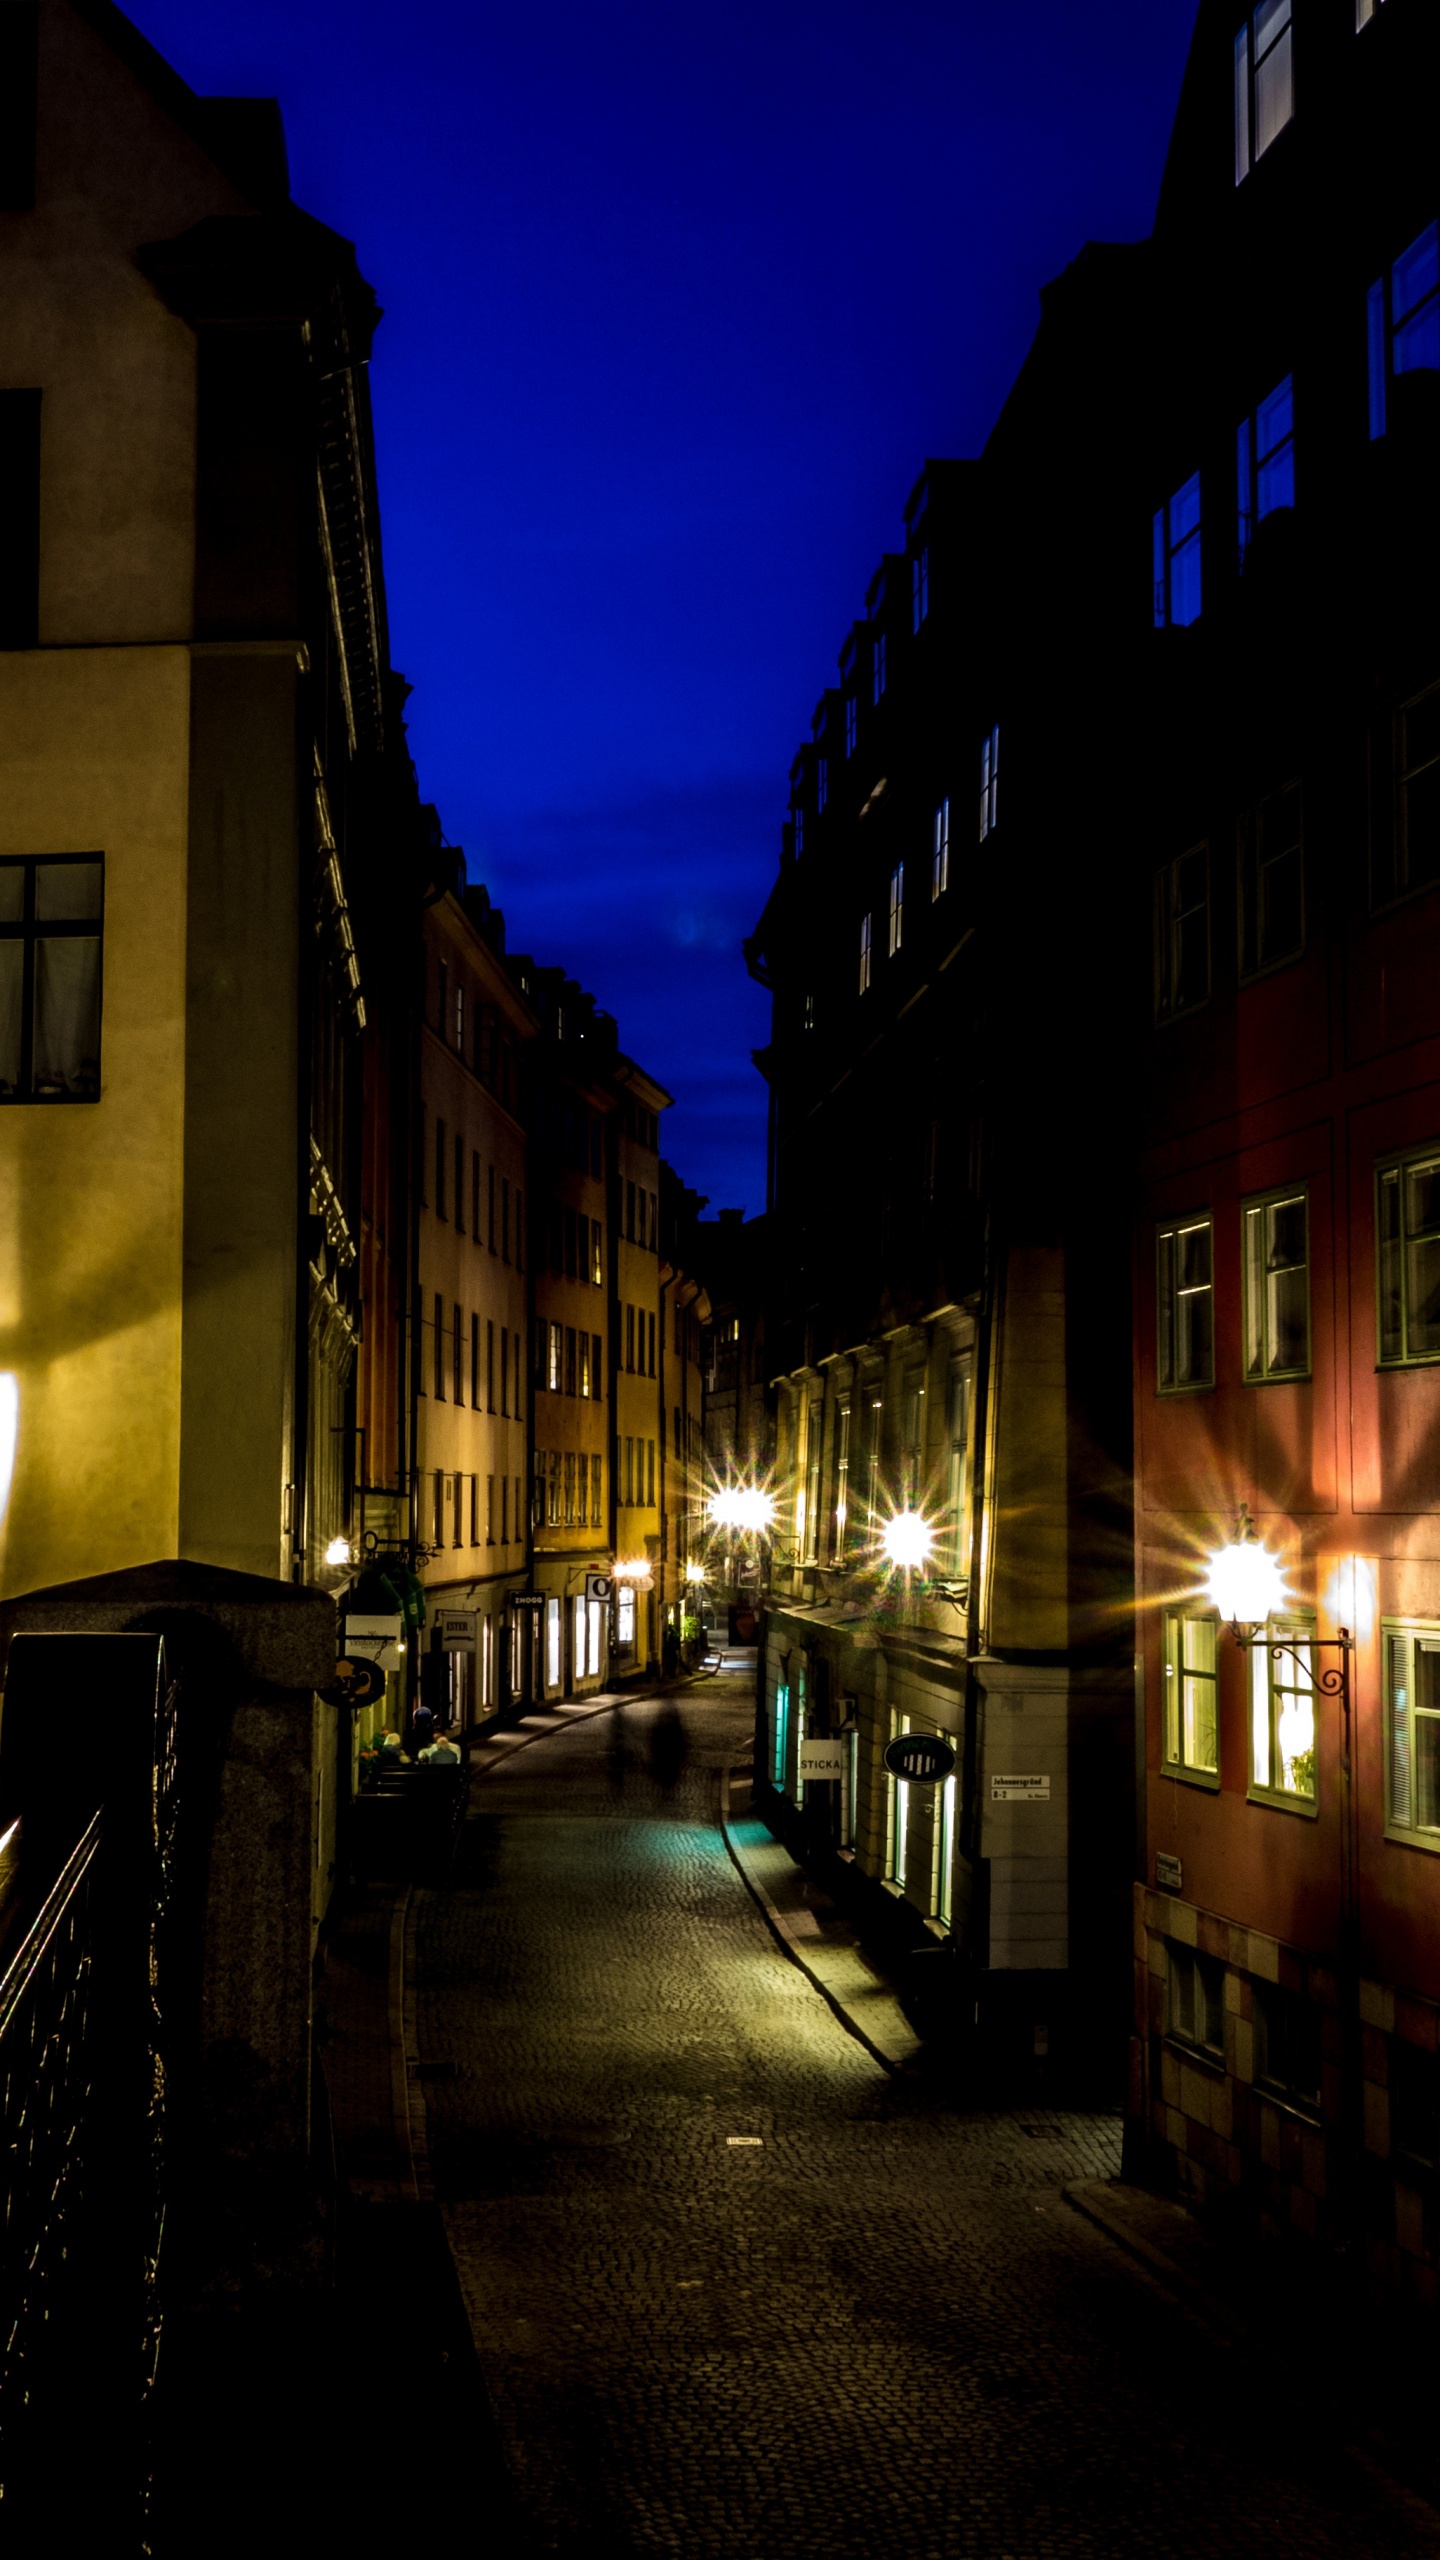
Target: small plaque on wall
1169	1873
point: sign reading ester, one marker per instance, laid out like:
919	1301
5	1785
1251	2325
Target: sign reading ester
920	1759
1031	1788
823	1759
457	1630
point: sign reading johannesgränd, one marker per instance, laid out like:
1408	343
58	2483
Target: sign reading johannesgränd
1031	1788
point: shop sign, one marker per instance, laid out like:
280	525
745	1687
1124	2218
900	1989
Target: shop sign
457	1630
527	1599
598	1586
920	1759
822	1759
377	1637
1029	1788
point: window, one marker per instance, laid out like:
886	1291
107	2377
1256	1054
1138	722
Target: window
505	1221
475	1198
1414	2102
489	1512
650	1337
1265	463
877	668
460	1184
1412	1729
957	1490
490	1227
51	913
1177	559
1364	12
1407	1229
1416	862
458	1490
440	1350
519	1230
1402	322
438	1515
650	1473
940	855
20	481
990	784
864	953
797	829
1272	883
1287	2044
1194	1999
475	1362
852	719
898	1792
919	587
596	1487
555	1367
1282	1712
583	1376
597	1264
440	1162
627	1474
1191	1737
822	781
841	1504
596	1388
555	1479
567	1497
505	1371
19	31
458	1020
457	1356
1182	933
1277	1287
944	1888
780	1748
1264	83
629	1341
897	908
1185	1306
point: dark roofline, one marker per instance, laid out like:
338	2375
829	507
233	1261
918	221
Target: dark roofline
243	136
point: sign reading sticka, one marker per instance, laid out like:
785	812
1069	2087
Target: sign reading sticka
1029	1787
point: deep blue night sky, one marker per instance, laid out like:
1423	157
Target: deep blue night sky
677	304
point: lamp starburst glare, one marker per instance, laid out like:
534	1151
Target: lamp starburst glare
907	1540
742	1507
1246	1583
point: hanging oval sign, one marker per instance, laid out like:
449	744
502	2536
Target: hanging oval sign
924	1759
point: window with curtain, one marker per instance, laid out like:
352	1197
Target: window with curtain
51	930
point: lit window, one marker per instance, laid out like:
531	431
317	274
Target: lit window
1407	1227
1264	83
1277	1287
1272	883
1177	559
990	783
1185	1306
1182	933
1412	1729
1191	1740
897	908
1364	12
851	723
877	667
50	933
555	1367
864	953
822	781
919	587
780	1753
1403	322
1265	461
1282	1711
940	857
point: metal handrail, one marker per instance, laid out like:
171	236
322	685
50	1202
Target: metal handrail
33	1947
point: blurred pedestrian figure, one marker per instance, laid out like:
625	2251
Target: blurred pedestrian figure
669	1747
422	1729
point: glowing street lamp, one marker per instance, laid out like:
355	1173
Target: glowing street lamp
339	1552
907	1540
1245	1582
743	1508
694	1575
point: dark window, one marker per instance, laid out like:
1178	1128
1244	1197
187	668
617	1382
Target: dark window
877	667
1177	558
595	1371
851	724
919	587
475	1361
505	1370
51	912
1408	1230
490	1227
1287	2044
650	1323
489	1364
475	1197
1403	322
505	1221
1195	2007
460	1184
19	32
1185	1329
1417	811
440	1352
1182	933
1272	883
19	516
571	1382
1415	2103
440	1155
1265	462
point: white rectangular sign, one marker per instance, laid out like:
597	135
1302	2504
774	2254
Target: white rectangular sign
378	1638
457	1630
822	1759
1020	1790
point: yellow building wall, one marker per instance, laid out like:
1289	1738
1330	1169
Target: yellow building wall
95	749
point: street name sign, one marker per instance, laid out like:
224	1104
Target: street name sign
822	1759
1029	1788
1169	1873
920	1759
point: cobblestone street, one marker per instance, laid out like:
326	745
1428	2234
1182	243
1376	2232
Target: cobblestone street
738	2290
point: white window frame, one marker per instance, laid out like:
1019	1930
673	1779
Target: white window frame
897	908
990	781
864	953
1406	1636
1279	1678
1264	54
1190	1703
1257	1270
940	856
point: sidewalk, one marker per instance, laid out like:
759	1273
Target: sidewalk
811	1931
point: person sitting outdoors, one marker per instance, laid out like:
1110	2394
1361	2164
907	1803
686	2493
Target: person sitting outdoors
388	1745
442	1753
